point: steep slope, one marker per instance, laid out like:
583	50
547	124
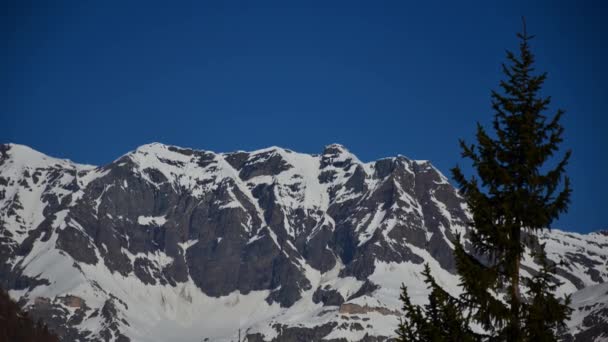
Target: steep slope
590	318
167	243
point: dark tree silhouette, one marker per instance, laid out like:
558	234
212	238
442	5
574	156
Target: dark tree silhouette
520	188
17	326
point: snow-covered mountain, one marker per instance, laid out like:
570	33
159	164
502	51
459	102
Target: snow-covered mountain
175	244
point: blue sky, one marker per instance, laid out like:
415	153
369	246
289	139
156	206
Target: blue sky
90	81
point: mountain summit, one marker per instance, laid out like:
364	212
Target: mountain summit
170	243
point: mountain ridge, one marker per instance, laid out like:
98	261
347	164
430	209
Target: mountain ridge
313	240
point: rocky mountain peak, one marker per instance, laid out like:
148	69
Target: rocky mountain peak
336	155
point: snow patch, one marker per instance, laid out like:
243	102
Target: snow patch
151	220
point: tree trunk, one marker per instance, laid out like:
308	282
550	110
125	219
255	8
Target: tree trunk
515	330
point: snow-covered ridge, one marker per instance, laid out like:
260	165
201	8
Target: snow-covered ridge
168	241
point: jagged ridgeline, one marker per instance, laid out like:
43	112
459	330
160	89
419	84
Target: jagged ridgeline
167	243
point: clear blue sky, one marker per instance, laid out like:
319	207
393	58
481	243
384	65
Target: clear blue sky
91	80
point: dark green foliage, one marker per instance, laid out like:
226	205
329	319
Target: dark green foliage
543	313
515	194
17	326
440	320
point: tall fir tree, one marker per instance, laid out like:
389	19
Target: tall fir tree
520	188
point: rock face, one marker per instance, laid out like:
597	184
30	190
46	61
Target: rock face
282	246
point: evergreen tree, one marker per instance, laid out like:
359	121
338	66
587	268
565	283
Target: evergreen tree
515	194
441	319
17	326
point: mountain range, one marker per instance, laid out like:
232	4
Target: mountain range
176	244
